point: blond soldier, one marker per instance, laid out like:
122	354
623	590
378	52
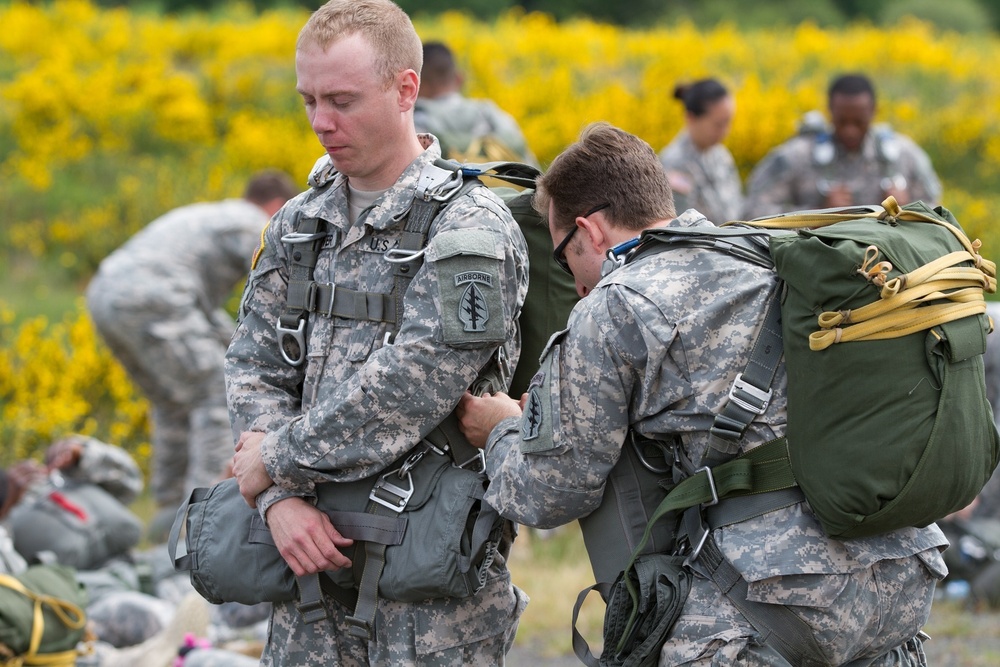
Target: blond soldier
351	394
852	163
623	404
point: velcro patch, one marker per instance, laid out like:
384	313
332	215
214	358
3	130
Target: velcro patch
531	422
472	304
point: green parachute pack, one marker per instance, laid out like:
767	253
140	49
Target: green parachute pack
41	616
883	329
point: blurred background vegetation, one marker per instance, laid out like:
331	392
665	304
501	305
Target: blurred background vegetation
959	15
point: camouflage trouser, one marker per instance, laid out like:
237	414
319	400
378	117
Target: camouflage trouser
874	615
175	353
472	632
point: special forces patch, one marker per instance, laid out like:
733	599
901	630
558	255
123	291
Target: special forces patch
468	263
473	309
531	422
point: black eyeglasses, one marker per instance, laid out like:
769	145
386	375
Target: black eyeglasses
559	254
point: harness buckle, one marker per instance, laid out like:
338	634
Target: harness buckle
302	237
762	397
297	335
389	495
438	183
702	530
476	464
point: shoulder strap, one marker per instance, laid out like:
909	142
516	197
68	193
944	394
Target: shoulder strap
306	242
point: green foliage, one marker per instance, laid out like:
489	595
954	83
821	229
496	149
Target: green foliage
958	15
764	13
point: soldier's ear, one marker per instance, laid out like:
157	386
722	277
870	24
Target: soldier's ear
595	232
407	87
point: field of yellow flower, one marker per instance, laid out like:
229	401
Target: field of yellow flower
109	117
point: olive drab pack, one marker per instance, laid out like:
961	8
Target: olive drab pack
880	317
41	617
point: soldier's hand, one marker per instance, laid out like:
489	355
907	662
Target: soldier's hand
306	538
839	195
477	415
64	454
248	468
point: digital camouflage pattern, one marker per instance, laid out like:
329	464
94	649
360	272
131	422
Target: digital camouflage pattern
158	302
704	180
799	173
655	348
472	130
358	403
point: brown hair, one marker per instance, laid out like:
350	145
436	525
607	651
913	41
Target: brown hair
270	184
610	166
382	23
439	65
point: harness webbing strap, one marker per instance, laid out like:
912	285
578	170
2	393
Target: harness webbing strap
779	626
330	300
362	622
305	243
751	392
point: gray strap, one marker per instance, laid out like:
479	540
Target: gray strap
330	300
369	527
580	646
422	212
751	391
744	242
310	603
362	622
734	510
779	627
304	246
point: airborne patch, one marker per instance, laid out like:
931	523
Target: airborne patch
531	422
468	265
473	277
473	311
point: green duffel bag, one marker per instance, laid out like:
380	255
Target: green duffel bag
41	616
884	329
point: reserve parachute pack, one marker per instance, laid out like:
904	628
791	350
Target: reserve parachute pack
880	317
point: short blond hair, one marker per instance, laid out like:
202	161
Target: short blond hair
382	23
